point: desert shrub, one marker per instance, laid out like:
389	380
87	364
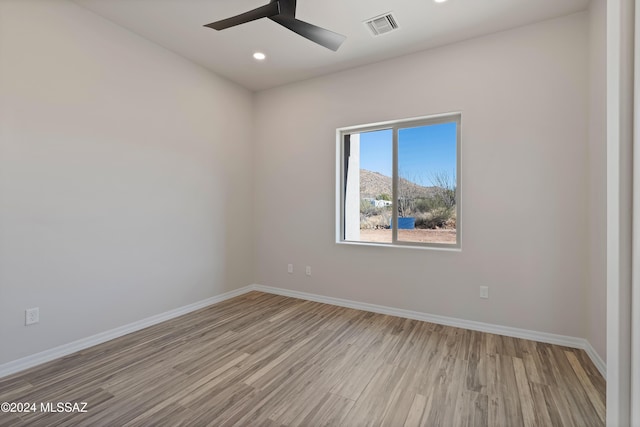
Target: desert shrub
426	204
435	218
384	196
367	209
442	199
406	207
451	222
376	222
374	217
445	185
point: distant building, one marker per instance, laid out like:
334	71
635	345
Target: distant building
378	203
382	203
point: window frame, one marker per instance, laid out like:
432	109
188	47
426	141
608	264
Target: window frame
395	126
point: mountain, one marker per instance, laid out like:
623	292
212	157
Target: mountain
372	184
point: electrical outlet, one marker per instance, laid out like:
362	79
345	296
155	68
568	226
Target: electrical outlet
290	268
484	292
31	316
308	271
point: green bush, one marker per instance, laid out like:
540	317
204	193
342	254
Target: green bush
434	203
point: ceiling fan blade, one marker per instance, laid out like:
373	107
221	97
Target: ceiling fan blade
287	8
265	11
319	35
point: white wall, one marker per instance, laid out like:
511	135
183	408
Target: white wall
524	98
125	177
597	284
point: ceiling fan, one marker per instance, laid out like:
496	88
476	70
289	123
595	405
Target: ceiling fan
283	12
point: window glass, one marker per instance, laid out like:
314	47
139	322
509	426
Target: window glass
399	182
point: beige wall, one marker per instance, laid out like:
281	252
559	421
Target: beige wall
125	177
597	284
524	100
132	181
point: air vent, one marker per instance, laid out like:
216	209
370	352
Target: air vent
382	24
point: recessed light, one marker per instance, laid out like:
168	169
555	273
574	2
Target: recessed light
259	56
439	1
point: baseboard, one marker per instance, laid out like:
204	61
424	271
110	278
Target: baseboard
596	359
544	337
67	349
81	344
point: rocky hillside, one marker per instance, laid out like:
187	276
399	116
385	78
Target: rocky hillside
372	184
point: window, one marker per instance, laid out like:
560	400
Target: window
399	182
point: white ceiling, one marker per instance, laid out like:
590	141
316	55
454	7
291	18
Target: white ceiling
178	26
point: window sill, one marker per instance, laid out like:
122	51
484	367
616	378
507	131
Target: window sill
408	246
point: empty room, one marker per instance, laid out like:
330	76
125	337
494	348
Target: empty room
310	213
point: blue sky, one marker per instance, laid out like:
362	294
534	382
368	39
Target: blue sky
422	151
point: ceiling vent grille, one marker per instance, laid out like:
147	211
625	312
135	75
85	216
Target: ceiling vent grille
382	24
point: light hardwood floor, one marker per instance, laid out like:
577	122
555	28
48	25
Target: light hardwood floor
267	360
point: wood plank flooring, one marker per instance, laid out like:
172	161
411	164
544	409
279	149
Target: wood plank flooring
267	360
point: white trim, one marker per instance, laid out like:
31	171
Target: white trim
81	344
595	358
544	337
635	228
614	412
620	88
391	245
367	127
66	349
